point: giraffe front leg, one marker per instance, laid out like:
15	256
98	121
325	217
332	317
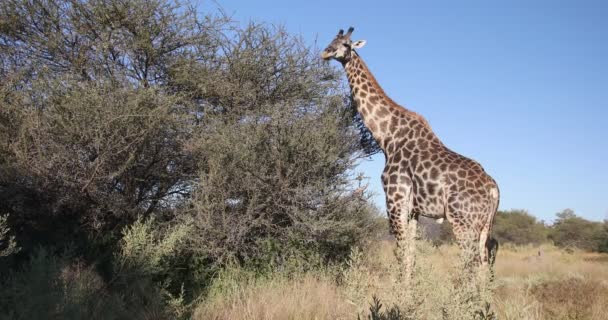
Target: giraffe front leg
410	258
399	202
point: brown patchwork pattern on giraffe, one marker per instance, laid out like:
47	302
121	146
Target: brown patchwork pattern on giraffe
421	176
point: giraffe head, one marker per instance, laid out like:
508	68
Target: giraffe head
342	46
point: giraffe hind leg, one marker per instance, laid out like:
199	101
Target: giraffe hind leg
467	239
488	246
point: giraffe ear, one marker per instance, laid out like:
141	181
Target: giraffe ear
358	44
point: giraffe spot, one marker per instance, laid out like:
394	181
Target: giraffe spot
462	174
364	111
427	164
434	173
384	126
431	188
364	87
423	144
394	124
410	145
393	179
373	99
383	112
425	155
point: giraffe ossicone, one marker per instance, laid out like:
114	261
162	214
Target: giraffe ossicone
422	177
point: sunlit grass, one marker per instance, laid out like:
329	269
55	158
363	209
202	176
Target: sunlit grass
554	285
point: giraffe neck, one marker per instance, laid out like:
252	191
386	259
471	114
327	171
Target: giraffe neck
380	113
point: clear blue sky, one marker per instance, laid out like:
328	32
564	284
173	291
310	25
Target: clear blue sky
520	86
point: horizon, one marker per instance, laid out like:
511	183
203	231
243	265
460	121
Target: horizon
511	86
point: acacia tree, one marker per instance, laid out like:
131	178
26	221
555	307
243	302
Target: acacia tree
112	110
91	135
278	141
519	227
572	231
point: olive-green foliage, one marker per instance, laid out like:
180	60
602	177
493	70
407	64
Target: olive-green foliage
603	238
572	231
91	136
519	227
568	230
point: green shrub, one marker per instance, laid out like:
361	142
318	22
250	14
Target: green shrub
49	286
142	284
519	227
376	312
571	231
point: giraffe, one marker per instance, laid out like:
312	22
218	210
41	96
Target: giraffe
421	177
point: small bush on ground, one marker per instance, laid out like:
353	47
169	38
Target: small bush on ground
64	286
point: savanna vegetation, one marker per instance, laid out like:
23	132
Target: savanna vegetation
158	162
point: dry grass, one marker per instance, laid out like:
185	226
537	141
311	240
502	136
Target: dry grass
555	285
277	298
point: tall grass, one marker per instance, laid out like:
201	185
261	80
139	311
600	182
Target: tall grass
554	285
238	294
